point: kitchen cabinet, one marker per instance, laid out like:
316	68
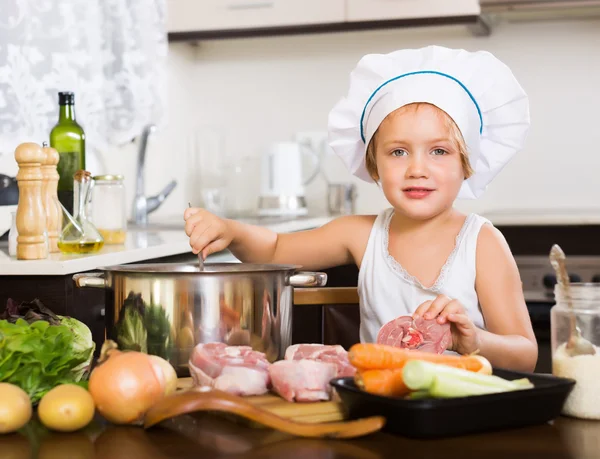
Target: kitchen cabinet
207	15
375	10
328	315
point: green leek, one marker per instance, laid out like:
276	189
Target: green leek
442	381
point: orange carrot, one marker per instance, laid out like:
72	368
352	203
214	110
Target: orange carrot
382	382
371	356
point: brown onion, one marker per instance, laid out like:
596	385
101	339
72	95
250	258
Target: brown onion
125	384
168	372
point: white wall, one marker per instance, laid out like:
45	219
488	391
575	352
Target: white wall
253	92
262	90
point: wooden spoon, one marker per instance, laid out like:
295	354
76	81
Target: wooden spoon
215	400
576	345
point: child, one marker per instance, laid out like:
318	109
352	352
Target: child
427	125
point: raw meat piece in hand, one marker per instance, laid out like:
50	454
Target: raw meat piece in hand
421	334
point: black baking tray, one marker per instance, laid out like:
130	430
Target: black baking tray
434	418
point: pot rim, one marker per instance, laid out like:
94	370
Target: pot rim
193	269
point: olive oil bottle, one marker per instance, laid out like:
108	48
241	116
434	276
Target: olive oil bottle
79	235
68	138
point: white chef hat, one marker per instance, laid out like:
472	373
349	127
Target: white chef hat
475	89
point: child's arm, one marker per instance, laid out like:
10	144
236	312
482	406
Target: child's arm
339	242
509	341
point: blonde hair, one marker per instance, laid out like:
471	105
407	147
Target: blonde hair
455	136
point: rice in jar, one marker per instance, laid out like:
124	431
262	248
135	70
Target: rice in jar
584	400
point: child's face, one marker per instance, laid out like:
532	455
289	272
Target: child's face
419	165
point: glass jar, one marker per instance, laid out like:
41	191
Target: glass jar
108	211
78	234
584	400
13	234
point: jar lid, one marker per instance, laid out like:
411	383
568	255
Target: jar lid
108	178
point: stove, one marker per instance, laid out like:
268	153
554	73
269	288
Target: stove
539	280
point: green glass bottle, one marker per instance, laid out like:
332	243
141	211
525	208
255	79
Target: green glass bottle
68	138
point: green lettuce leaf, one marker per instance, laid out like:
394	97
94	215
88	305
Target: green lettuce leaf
83	346
40	356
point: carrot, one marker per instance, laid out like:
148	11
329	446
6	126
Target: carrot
371	356
388	383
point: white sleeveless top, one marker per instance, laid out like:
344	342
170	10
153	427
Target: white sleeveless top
387	291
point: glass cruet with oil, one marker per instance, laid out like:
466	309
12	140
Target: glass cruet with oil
78	234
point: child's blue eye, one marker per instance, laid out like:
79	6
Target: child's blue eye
439	152
398	152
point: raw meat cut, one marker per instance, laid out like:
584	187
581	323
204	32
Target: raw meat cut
421	334
302	380
322	353
238	370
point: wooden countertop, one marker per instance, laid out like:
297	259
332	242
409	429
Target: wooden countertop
211	436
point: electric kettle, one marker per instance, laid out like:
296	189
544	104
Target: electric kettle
282	179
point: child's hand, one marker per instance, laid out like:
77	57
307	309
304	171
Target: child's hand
465	335
208	233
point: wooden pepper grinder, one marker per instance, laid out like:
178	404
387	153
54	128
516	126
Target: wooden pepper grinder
50	197
31	215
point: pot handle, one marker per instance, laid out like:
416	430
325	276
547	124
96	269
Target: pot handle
95	280
308	279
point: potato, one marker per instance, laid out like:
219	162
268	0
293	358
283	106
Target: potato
66	408
15	408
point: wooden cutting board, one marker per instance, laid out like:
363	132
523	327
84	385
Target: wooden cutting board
310	412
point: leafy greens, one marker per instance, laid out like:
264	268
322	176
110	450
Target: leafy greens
40	350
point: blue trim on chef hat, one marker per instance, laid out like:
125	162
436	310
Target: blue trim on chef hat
433	72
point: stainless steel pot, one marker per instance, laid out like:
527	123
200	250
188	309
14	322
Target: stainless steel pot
166	309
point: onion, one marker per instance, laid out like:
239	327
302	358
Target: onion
168	372
125	384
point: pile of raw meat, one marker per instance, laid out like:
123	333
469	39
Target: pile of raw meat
305	372
421	334
303	376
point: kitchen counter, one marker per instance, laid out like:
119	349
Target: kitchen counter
164	240
215	437
140	245
543	217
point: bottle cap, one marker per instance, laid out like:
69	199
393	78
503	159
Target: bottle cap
82	176
66	98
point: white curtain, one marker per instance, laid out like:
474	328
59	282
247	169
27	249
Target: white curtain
110	53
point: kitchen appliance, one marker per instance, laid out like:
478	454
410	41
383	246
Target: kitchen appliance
166	309
341	198
282	182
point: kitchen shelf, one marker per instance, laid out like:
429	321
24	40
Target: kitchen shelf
476	24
